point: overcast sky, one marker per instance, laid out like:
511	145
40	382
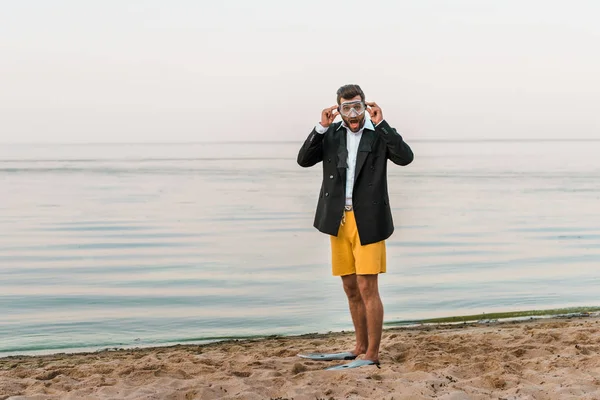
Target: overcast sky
184	70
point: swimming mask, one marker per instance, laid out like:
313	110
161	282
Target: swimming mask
352	108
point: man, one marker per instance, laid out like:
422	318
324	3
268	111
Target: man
354	208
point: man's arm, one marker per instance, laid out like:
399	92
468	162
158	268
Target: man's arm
397	150
311	151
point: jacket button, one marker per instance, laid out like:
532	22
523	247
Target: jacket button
330	176
374	202
329	160
326	194
370	184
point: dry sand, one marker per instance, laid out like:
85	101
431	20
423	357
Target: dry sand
538	359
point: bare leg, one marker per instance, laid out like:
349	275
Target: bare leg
357	311
369	291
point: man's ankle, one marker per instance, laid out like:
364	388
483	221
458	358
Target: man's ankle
371	357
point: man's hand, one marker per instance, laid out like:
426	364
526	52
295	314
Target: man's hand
375	112
328	115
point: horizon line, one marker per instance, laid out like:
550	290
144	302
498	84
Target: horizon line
461	140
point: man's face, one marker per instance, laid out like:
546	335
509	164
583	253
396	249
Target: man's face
352	112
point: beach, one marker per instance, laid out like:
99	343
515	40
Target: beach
548	358
113	247
176	178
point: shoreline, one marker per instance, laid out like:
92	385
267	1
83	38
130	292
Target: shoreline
473	318
545	358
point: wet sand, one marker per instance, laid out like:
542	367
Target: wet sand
538	359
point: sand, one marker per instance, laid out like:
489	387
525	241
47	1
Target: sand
555	358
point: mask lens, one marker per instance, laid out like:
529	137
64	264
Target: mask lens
352	109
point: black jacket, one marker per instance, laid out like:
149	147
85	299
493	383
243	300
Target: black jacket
370	198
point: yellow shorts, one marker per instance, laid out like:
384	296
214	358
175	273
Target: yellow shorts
349	257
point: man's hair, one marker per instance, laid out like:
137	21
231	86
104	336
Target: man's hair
349	91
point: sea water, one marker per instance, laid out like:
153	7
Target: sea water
137	245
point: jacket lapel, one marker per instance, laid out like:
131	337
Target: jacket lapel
342	154
364	148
